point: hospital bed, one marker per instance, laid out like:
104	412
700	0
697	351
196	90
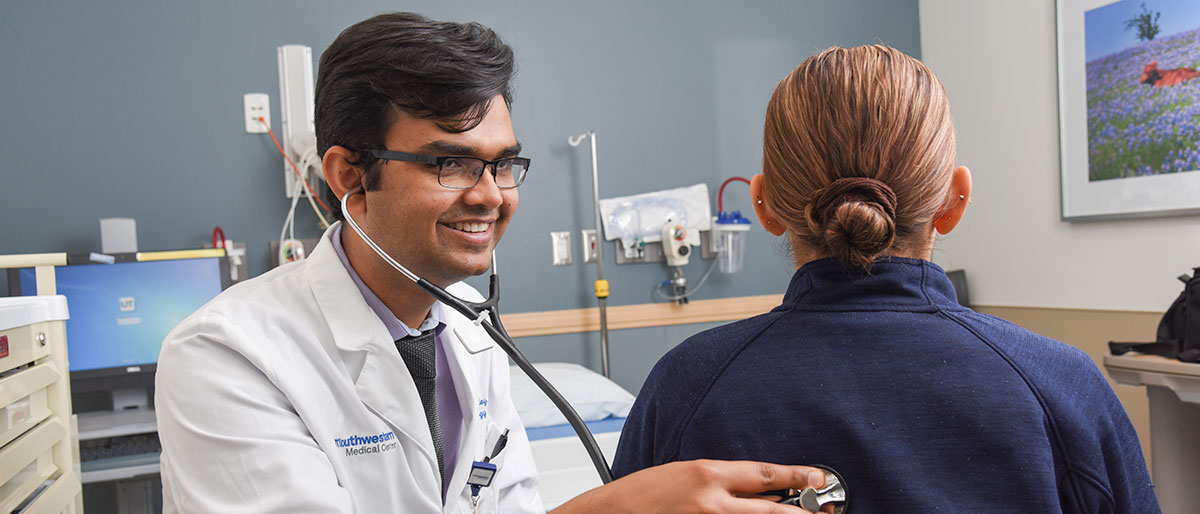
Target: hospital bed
564	468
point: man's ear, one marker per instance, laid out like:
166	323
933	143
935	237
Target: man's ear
956	201
765	216
341	176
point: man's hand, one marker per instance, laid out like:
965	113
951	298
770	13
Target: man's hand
698	487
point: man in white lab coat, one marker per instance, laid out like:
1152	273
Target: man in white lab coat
336	384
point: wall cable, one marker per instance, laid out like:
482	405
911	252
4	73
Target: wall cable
721	191
658	287
294	167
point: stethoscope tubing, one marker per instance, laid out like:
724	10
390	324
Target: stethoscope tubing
498	334
491	324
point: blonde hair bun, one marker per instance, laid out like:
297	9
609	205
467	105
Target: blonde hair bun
856	216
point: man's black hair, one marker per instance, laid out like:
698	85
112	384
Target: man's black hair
404	62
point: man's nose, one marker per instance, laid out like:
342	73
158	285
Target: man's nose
485	192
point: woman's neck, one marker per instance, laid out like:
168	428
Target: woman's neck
915	248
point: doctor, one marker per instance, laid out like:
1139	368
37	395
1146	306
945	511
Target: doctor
335	384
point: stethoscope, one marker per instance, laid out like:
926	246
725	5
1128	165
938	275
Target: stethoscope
814	499
486	315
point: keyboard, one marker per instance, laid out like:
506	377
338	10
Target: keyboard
113	447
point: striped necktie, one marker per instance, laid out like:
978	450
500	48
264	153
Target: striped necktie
420	356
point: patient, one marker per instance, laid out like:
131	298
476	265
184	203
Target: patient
869	366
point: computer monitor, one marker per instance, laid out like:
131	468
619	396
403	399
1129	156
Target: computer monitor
120	313
959	279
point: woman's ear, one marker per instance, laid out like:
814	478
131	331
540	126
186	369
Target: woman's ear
956	202
340	175
765	216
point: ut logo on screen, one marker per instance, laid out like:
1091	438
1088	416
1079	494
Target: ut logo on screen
127	304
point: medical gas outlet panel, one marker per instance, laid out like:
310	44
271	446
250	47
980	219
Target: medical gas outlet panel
653	252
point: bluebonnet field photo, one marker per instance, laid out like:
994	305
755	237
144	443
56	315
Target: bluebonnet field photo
1143	95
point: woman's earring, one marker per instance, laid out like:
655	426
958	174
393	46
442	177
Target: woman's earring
760	201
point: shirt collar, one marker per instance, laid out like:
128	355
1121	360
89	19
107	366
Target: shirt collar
894	283
396	328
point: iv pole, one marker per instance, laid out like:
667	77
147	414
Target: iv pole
601	285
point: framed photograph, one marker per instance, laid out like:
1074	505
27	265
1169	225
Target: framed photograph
1129	107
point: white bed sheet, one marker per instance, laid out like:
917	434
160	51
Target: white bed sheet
564	468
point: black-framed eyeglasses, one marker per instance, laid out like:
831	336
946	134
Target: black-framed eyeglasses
459	172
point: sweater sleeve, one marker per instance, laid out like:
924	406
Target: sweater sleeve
673	392
664	405
1099	461
1120	480
638	447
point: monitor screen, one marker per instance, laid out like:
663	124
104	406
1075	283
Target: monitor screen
120	313
958	278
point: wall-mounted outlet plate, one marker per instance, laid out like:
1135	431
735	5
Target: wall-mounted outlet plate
653	252
256	105
308	244
590	245
560	248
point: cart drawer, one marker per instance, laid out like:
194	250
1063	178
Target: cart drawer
25	482
38	441
24	344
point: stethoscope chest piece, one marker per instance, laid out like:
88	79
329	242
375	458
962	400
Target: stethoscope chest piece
814	499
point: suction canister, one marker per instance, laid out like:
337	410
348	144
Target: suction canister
729	232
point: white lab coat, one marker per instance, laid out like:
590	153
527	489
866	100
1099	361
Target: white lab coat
262	392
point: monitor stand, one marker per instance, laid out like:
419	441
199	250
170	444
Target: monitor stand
134	398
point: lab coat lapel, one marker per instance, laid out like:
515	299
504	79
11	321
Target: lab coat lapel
352	324
361	343
386	387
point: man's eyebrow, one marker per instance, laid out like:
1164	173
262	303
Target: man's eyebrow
446	148
449	148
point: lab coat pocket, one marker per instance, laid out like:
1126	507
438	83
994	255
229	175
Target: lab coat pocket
492	443
489	498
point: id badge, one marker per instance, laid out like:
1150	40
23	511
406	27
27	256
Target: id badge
481	474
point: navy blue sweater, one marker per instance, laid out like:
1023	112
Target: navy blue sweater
921	405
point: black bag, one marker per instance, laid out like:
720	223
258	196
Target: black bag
1179	330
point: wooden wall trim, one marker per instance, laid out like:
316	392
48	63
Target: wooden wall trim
1035	308
636	316
570	321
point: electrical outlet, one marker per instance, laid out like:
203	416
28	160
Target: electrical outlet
560	248
589	245
257	105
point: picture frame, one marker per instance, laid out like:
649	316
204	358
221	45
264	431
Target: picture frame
1129	142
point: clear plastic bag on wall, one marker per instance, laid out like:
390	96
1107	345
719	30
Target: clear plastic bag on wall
639	218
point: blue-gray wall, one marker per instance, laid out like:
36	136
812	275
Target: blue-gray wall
134	109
